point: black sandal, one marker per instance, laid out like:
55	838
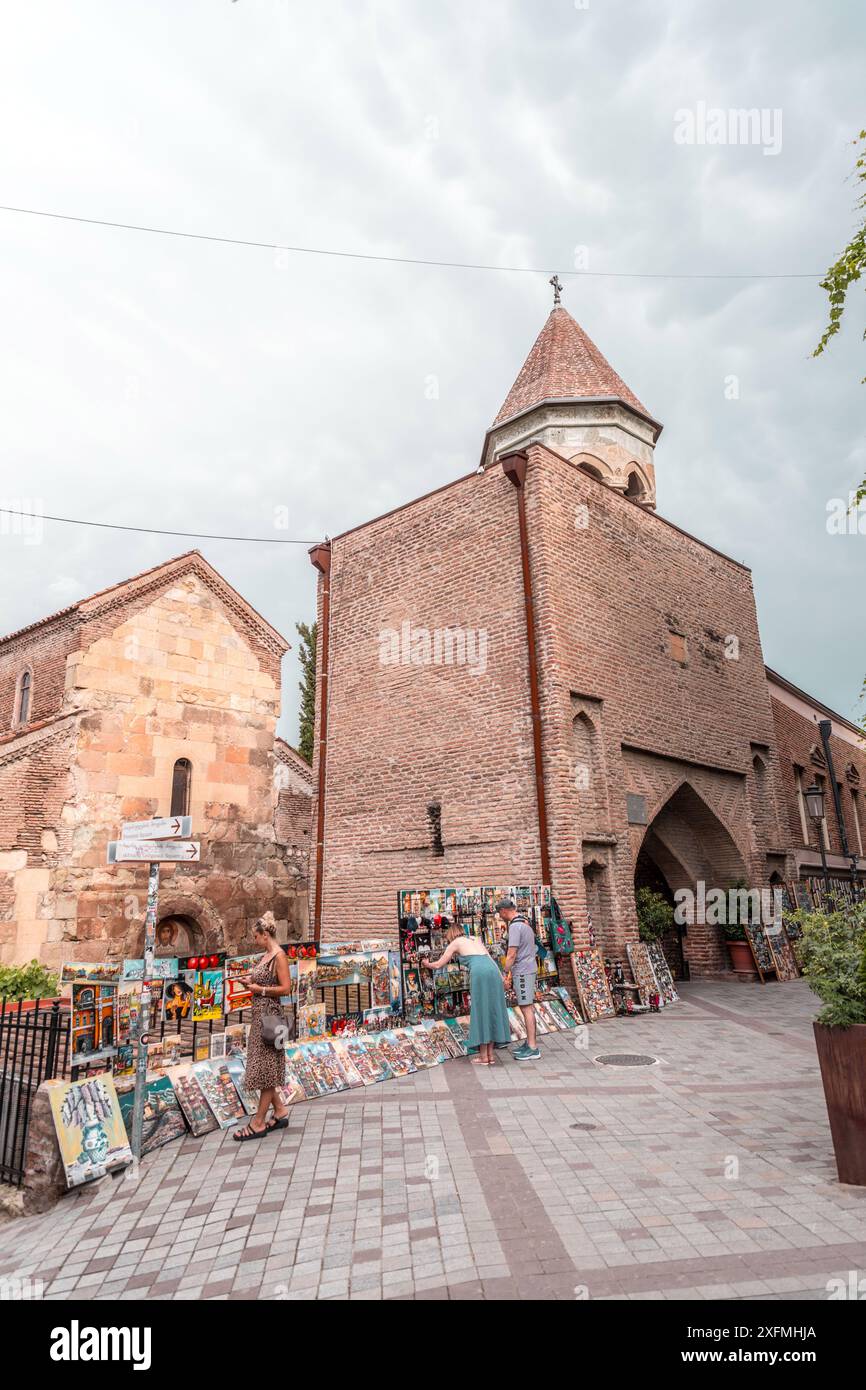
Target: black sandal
242	1135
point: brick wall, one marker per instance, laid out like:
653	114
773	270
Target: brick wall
797	735
611	582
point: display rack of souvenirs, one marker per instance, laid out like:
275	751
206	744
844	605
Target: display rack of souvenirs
623	991
592	986
424	918
662	972
761	953
649	989
784	959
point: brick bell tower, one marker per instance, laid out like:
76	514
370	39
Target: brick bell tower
568	396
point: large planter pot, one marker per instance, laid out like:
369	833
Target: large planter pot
741	957
842	1055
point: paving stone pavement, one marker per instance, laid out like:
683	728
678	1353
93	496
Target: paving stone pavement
709	1175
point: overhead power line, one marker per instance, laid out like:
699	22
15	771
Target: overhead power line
414	260
155	530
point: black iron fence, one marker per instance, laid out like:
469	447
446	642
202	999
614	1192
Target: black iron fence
34	1046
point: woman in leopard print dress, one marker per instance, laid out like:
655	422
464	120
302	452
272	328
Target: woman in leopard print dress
266	1065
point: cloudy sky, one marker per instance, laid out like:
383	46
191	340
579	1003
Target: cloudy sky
160	382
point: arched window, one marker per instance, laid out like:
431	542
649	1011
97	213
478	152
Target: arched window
22	704
587	770
635	490
181	782
593	472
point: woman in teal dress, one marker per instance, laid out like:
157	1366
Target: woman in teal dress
488	1015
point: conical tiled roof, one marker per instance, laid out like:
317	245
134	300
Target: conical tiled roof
565	364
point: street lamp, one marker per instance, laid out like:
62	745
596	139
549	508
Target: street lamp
815	805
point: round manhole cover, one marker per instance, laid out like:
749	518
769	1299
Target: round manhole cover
579	1125
627	1059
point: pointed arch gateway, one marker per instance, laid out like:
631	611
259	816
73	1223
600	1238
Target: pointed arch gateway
686	844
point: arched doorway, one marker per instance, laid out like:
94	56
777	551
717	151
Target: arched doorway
176	935
687	844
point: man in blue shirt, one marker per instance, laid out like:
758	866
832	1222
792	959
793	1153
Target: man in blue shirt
522	964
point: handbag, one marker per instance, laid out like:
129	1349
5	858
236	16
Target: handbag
274	1028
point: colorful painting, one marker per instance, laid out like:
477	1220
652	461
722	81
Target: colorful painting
312	1022
89	1126
543	1008
238	994
298	1064
437	1033
327	1068
517	1026
236	1035
568	1003
207	995
662	972
397	1052
236	1069
560	1013
291	1092
218	1046
162	968
307	981
592	986
784	960
460	1034
380	983
220	1091
105	972
648	987
163	1053
191	1099
163	1118
177	1001
377	1059
541	1024
357	1050
92	1021
424	1047
123	1061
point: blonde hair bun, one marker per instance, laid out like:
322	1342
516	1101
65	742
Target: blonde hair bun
268	924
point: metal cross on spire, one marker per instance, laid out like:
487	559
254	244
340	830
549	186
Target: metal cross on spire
557	288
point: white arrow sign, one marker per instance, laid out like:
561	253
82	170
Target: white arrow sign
163	828
154	851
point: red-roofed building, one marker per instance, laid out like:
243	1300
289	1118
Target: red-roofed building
547	681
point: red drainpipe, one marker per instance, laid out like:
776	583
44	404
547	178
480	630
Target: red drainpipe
514	467
320	557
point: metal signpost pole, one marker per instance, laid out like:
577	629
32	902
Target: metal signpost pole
144	1018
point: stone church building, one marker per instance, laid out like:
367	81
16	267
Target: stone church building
529	675
157	696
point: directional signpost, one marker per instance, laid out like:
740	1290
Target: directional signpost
163	828
162	840
154	851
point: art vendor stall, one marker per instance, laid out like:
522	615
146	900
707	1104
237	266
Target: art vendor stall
425	914
347	1023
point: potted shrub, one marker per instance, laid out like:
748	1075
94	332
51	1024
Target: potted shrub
27	982
832	953
739	950
655	916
